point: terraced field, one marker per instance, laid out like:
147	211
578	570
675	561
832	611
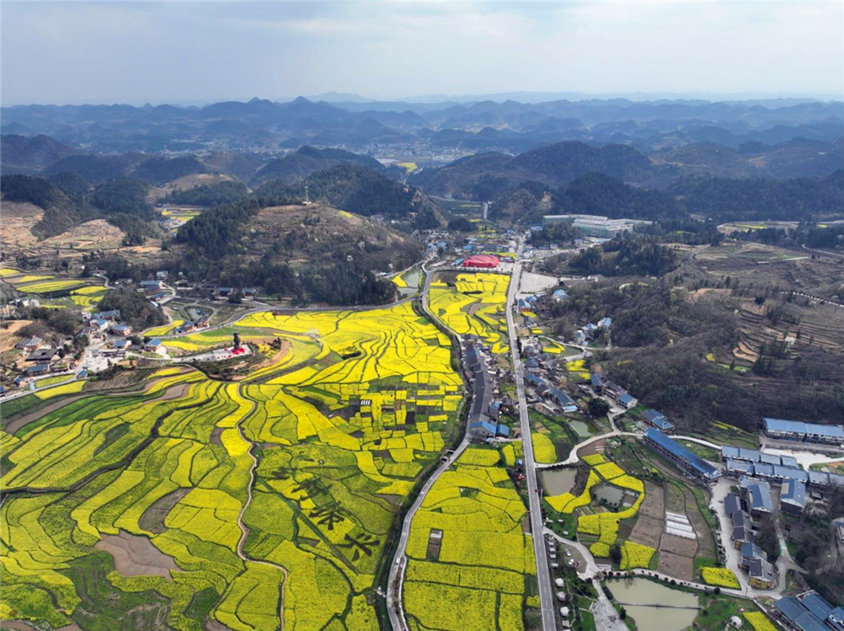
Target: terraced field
473	304
255	505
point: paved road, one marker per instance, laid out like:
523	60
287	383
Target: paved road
481	394
543	576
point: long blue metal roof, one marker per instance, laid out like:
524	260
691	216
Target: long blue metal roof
682	452
799	427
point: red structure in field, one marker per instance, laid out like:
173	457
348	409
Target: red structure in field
481	260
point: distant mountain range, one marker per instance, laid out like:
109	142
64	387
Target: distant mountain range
355	124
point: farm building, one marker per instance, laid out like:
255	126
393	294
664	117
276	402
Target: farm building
681	455
485	261
803	432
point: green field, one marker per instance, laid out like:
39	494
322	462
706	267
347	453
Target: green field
336	437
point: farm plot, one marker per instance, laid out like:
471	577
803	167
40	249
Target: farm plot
475	577
337	436
473	304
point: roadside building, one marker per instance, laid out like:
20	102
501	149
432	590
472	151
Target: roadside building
153	345
37	370
682	456
619	395
742	529
483	261
122	329
659	420
486	430
761	574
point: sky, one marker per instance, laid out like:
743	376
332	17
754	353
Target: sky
198	52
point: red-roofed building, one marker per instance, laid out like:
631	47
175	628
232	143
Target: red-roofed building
481	260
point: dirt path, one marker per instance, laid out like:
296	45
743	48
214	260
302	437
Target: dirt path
244	531
176	392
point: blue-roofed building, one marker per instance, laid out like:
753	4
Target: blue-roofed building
658	420
762	470
563	400
782	429
605	323
597	382
534	380
769	459
758	495
485	430
795	616
793	496
809	612
558	295
619	395
628	400
681	455
790	473
738	468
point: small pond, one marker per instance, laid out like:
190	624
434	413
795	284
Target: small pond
412	279
580	428
641	597
558	481
611	496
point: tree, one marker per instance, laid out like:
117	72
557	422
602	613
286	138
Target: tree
598	407
615	553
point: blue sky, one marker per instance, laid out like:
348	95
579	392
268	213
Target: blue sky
78	52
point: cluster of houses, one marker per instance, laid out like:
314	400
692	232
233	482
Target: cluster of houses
605	387
588	333
741	462
549	395
41	358
154	289
755	499
808	612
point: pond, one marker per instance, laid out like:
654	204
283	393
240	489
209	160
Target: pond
412	279
638	596
609	495
580	428
558	481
